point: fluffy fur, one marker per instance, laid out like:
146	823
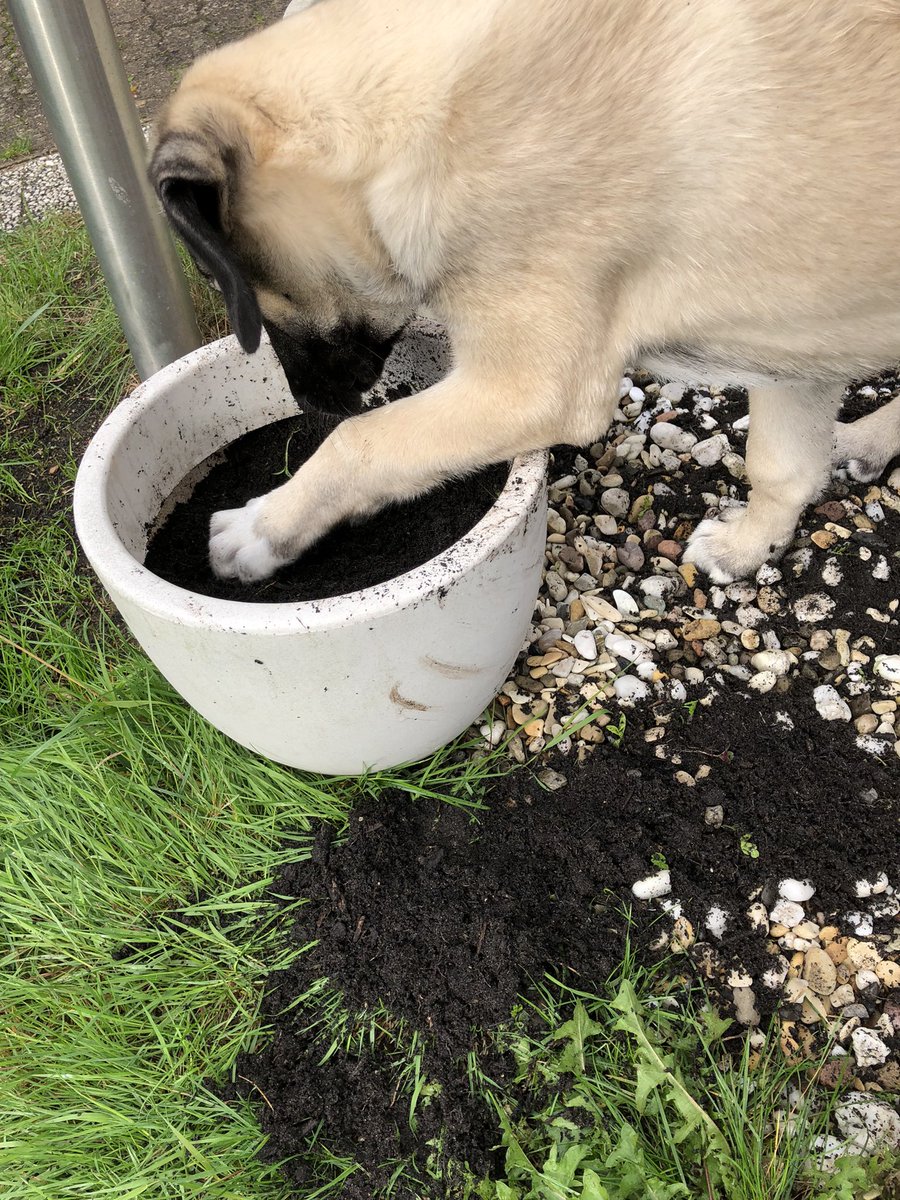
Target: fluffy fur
570	186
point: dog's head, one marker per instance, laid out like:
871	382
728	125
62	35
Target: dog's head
287	244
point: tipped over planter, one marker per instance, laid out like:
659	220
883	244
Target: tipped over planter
365	680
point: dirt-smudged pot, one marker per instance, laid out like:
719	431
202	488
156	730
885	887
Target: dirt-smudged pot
362	681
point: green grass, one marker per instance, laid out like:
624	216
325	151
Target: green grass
17	148
136	847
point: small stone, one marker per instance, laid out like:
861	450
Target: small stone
777	661
762	681
688	572
714	816
796	890
552	780
615	502
669	436
823	538
625	603
669	549
585	645
842	996
829	704
869	1126
700	629
749	639
631	555
887	666
710	451
867	984
814	607
819	972
863	955
888	974
787	913
627	648
682	935
630	691
869	1050
653	886
757	915
866	724
869	887
745	1006
717	921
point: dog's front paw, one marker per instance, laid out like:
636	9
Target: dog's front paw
237	550
732	546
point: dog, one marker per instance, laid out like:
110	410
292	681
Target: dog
706	189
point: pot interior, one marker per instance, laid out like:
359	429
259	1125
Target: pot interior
175	426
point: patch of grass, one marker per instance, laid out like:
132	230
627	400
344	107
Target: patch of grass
17	148
649	1100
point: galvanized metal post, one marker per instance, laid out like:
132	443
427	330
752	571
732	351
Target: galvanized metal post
71	51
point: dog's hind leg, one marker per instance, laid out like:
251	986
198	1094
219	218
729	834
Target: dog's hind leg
788	457
863	448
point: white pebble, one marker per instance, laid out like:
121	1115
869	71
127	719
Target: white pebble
585	646
671	392
869	1049
615	501
798	891
653	886
869	1125
779	662
829	704
741	424
881	570
625	604
861	923
814	607
708	452
762	681
887	666
787	912
832	573
716	921
668	435
872	745
629	690
627	648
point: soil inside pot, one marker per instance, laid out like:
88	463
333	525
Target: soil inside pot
352	556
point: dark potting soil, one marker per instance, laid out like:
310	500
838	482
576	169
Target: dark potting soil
445	916
352	556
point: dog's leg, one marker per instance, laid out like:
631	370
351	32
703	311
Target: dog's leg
393	453
788	451
864	448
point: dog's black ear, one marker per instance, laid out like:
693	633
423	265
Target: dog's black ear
193	201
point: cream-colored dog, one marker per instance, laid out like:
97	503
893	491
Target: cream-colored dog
710	189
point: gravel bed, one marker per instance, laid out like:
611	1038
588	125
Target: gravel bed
625	635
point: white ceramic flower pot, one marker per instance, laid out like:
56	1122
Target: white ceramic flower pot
365	680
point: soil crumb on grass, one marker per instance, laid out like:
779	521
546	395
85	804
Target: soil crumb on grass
353	556
445	916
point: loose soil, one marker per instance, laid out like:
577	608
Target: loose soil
352	556
445	916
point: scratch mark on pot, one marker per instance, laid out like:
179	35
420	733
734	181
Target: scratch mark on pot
450	670
402	702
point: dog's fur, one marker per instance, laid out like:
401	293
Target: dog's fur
711	189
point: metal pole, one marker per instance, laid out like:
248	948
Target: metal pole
71	51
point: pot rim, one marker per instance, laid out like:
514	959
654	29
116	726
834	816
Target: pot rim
120	571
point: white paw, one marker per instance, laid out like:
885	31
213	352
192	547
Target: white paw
731	546
236	550
857	470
